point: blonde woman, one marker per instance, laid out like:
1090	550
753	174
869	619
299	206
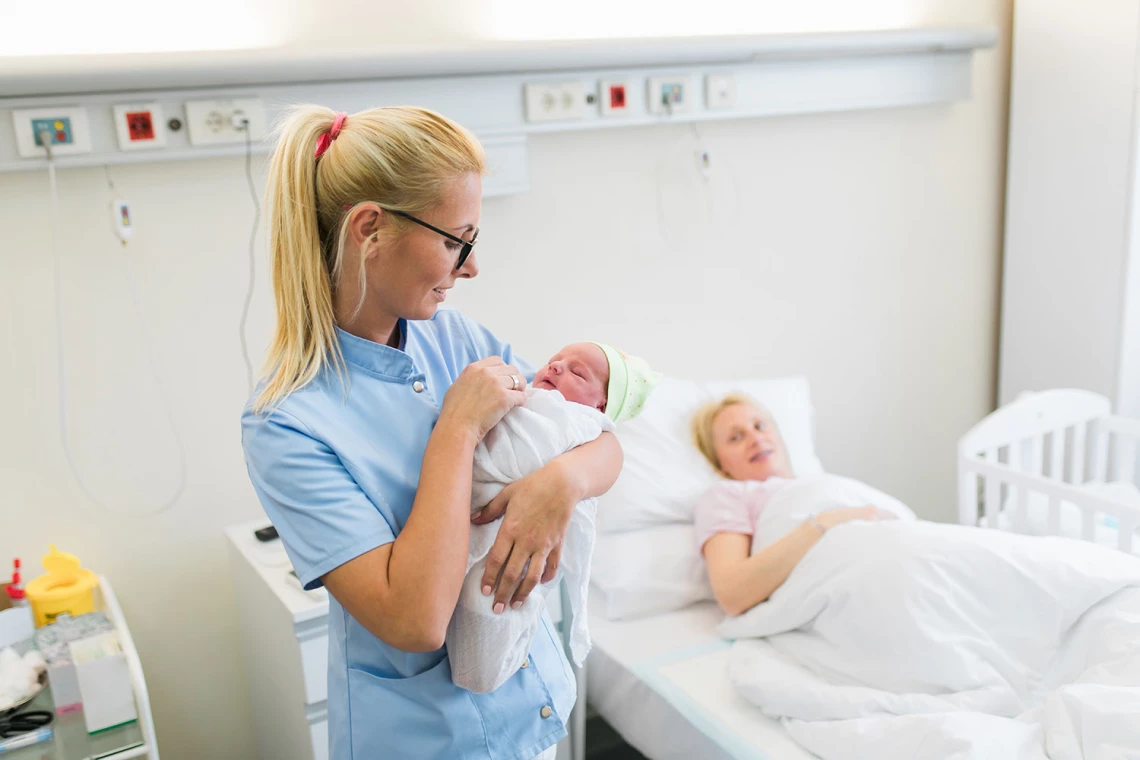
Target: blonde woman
749	548
359	441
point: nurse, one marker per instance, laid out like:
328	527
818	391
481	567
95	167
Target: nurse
360	437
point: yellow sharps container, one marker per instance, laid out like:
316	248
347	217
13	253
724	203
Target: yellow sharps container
67	588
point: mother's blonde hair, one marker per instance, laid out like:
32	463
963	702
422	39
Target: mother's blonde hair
703	418
401	158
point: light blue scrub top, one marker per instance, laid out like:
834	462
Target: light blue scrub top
337	477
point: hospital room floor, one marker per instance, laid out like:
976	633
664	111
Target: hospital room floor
603	743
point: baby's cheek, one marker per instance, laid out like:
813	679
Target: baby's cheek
600	395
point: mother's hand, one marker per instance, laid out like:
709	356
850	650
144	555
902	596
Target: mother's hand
834	517
529	545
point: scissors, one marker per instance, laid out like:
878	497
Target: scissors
15	723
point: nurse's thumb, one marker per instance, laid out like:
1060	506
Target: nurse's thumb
492	511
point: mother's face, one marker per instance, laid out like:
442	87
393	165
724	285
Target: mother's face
748	445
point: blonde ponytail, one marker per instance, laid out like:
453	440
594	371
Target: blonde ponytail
402	158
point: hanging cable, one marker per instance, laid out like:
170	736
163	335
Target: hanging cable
61	357
249	378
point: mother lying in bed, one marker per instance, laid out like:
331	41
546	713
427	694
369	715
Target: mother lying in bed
749	549
870	636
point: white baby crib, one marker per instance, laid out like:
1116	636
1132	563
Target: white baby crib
1053	463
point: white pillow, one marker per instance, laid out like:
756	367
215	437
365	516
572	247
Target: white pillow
664	474
648	571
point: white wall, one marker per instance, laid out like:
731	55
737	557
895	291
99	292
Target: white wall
859	249
1071	158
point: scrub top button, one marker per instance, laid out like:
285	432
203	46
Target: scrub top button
545	712
418	387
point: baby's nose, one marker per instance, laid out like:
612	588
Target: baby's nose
556	367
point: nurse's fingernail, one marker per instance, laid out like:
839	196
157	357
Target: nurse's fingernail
516	605
487	590
498	607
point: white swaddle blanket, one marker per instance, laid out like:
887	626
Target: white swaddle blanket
486	649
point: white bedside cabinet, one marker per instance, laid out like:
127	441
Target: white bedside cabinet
285	646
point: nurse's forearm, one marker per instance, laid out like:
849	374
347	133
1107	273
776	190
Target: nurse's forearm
429	556
592	468
404	592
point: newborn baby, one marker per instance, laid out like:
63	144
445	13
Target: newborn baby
581	392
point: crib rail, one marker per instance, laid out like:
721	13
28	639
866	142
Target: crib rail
1043	447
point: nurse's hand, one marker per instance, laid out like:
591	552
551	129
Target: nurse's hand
484	391
529	545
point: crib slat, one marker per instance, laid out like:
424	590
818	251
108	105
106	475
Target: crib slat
1037	455
1088	524
1098	468
968	499
1077	454
1021	509
993	501
1054	514
1125	458
1124	538
1056	454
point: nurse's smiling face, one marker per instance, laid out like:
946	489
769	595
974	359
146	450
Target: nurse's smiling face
414	272
409	269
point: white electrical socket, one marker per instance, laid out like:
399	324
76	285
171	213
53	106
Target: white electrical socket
720	91
669	95
555	102
219	122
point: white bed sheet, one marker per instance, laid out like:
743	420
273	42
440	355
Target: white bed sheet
662	683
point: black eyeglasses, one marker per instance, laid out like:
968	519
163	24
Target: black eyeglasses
464	252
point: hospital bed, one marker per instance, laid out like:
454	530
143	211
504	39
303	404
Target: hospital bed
660	679
662	683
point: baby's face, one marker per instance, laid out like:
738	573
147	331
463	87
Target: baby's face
580	372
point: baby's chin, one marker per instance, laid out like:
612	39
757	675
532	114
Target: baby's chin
584	400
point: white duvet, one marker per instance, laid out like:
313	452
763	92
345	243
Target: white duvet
910	639
486	649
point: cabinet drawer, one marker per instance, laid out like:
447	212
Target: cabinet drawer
319	734
314	646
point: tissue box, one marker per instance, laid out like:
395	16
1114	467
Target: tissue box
104	682
52	641
63	682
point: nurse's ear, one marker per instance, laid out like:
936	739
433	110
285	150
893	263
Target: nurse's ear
365	228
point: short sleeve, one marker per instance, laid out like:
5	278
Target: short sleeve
722	509
486	344
323	516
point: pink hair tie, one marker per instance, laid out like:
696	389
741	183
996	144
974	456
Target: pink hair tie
327	138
